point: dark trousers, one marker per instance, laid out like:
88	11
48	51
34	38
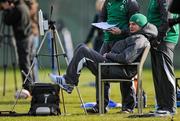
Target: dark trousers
126	88
85	57
23	50
163	76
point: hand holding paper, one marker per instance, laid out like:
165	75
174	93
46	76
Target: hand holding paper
103	25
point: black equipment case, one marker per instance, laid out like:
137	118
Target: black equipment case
45	99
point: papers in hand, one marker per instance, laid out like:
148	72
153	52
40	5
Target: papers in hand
103	25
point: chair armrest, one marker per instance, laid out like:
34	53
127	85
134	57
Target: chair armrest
114	64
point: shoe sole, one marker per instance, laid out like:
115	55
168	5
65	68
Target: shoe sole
62	87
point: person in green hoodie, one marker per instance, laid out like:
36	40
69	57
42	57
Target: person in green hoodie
117	12
162	53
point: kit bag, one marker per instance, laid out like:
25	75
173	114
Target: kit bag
45	99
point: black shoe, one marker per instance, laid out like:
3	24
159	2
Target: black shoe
126	111
95	110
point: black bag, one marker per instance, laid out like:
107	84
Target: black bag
45	99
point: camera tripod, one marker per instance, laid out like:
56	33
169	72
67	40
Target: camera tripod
55	40
8	43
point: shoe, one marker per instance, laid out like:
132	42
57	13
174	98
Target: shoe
158	108
60	80
22	94
126	111
163	113
95	110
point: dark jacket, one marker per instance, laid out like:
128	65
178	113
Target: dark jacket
129	49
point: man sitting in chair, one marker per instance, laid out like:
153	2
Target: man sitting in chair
124	51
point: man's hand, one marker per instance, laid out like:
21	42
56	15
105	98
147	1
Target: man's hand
155	43
115	30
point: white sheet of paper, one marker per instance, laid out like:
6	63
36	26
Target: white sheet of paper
103	25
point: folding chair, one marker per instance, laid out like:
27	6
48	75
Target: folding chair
102	80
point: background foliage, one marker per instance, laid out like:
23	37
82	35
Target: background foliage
77	16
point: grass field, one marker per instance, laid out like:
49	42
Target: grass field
72	103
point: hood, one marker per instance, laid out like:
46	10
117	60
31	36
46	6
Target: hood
150	31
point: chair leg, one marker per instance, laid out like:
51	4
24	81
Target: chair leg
82	102
100	89
140	102
100	97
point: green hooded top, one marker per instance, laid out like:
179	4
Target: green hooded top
158	15
118	12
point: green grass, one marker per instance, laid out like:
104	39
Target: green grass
72	102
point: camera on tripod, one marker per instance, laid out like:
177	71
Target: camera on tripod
43	24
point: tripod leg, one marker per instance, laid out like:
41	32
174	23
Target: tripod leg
57	61
15	79
64	107
13	60
4	83
5	56
82	102
60	43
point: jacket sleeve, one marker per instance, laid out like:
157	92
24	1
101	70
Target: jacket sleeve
129	55
163	9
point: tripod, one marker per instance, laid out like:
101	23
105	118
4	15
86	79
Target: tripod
54	55
8	43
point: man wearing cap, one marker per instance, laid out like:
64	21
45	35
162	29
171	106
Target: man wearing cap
115	12
125	51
